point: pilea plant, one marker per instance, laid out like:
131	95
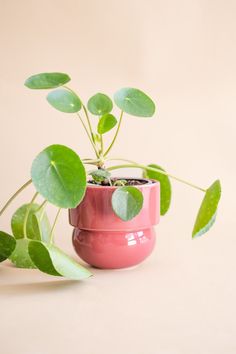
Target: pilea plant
60	177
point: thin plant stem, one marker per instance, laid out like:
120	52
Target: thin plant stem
102	145
27	214
88	120
42	205
54	225
15	195
109	181
89	163
90	131
90	138
91	160
115	136
135	165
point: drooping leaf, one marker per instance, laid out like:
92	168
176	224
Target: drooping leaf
134	102
20	256
51	260
100	104
165	186
7	245
208	209
106	123
47	80
127	202
100	175
37	227
64	101
59	176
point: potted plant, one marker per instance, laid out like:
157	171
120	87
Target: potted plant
113	217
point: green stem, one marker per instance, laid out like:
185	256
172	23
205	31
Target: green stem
15	195
90	161
117	131
88	120
109	181
102	145
27	215
135	165
90	138
90	131
42	205
54	225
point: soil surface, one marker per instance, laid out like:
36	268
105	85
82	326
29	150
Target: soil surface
129	182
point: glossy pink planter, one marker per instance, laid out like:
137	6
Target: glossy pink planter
103	240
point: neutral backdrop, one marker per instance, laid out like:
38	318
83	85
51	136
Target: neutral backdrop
182	53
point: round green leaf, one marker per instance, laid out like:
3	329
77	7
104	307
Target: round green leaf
134	102
7	245
37	227
165	186
127	202
64	101
59	176
20	256
207	212
100	175
46	80
100	104
106	123
51	260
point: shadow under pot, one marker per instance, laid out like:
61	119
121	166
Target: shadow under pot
105	241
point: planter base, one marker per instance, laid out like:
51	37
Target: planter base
113	249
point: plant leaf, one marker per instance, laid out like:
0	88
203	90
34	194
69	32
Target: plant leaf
20	256
51	260
106	123
100	104
134	102
46	80
100	175
59	176
7	245
64	101
127	202
208	209
37	227
165	186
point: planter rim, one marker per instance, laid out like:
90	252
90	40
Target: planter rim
151	182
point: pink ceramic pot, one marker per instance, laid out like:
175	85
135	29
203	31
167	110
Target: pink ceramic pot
103	240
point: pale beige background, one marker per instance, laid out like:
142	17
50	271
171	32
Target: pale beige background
182	299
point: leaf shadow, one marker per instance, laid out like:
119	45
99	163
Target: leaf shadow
38	287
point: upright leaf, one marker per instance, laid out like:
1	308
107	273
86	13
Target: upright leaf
134	102
59	176
127	202
106	123
100	175
51	260
100	104
37	227
46	80
207	212
165	186
20	256
64	101
7	245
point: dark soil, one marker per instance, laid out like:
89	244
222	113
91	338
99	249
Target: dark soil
129	181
